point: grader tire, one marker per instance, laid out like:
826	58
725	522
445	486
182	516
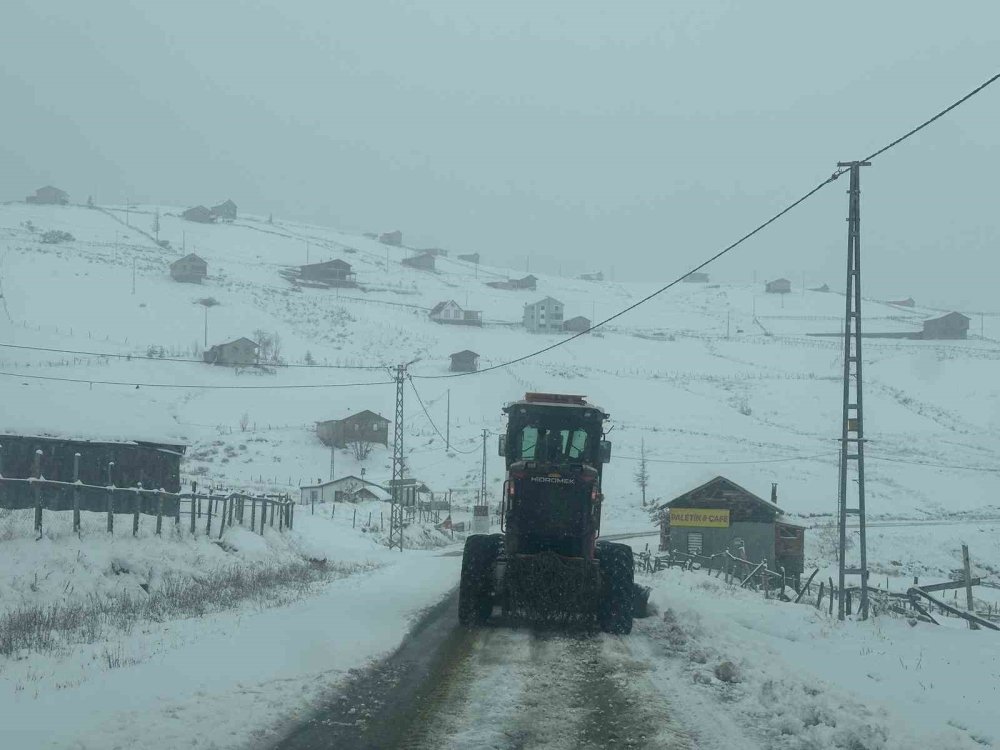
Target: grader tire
475	589
614	613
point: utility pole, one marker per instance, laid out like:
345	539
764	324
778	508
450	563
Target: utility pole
133	274
307	251
852	418
206	325
447	425
398	469
333	457
482	488
728	313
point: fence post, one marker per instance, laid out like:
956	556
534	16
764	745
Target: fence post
263	514
222	516
271	522
253	513
76	493
354	520
832	591
208	506
970	603
291	513
137	497
281	517
111	500
194	500
159	511
767	580
38	491
819	598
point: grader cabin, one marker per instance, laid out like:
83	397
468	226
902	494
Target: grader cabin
720	515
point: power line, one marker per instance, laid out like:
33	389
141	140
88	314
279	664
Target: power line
755	461
110	355
935	465
428	415
134	384
725	250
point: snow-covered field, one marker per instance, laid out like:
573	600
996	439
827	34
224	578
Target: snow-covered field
759	405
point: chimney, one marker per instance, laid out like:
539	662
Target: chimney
774	492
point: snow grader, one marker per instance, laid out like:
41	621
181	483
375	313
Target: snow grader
548	564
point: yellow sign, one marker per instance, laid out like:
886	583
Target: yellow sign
716	519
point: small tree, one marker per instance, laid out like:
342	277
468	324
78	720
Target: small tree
361	449
309	359
244	421
642	473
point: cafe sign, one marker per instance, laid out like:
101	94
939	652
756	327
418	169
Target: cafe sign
716	519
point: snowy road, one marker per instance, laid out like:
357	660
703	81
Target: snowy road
499	687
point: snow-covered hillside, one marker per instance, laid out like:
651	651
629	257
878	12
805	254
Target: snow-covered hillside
710	378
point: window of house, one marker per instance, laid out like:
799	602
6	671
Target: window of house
694	542
787	532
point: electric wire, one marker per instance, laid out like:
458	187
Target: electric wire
429	419
836	174
828	454
112	355
202	386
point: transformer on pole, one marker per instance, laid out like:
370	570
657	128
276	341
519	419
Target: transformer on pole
852	440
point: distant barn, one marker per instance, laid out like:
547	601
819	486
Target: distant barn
579	324
908	302
225	211
49	195
954	325
199	214
394	238
190	268
424	262
778	286
528	282
469	257
594	276
334	272
365	426
242	352
464	361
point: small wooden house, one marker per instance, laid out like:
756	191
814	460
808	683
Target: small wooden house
199	214
778	286
594	276
544	316
720	515
464	361
242	352
394	238
49	195
577	324
349	489
424	261
528	282
954	325
334	272
365	426
698	277
469	257
225	211
452	314
190	269
908	302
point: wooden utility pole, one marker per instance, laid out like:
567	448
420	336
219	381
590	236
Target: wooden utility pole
969	601
447	425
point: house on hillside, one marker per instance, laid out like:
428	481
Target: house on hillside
410	491
469	257
239	353
577	324
450	313
225	211
594	276
721	516
334	272
190	268
424	261
464	361
698	277
528	282
49	195
348	489
822	288
365	426
908	302
954	325
778	286
544	316
199	214
394	238
154	464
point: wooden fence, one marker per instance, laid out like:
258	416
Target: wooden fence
776	584
227	508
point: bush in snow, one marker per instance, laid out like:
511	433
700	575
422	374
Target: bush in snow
55	236
727	672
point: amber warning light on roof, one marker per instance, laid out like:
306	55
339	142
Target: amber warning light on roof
718	519
555	398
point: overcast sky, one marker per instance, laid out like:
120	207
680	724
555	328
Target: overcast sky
635	135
